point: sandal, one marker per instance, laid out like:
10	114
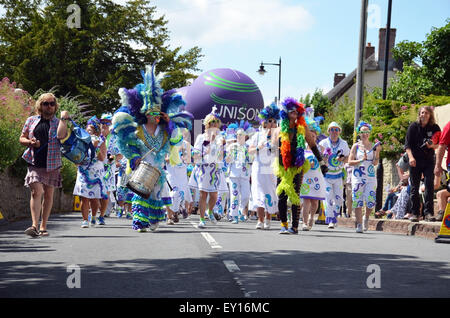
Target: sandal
380	214
43	233
32	231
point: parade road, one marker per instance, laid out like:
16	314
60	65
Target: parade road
220	261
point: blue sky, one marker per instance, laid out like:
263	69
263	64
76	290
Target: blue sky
314	38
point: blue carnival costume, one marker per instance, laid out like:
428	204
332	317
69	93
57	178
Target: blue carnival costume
138	105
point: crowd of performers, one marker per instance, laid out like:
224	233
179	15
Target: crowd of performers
230	171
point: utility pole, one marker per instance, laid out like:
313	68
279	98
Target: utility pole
360	68
380	168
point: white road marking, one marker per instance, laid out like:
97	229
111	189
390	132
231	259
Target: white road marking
211	241
231	266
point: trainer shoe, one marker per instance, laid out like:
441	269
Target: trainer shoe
359	228
154	227
100	220
142	230
170	222
235	220
365	223
212	218
331	225
266	224
93	221
440	216
85	224
201	225
293	230
305	227
284	230
259	225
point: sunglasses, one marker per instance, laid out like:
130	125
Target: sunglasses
154	114
364	132
214	121
49	104
335	129
271	121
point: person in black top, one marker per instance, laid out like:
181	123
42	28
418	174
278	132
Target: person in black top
420	144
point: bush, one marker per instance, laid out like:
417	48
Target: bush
15	108
69	175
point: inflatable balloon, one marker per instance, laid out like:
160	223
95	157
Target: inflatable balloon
235	95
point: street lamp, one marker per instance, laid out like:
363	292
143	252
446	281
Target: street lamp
262	71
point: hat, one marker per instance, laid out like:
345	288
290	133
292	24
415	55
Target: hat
212	116
333	124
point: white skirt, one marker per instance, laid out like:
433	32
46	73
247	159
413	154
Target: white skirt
263	192
206	177
90	182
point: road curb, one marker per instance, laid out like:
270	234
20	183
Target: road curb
429	230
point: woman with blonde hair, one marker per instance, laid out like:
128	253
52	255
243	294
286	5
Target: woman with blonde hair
422	139
207	176
41	134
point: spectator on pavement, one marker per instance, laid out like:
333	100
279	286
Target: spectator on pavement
421	141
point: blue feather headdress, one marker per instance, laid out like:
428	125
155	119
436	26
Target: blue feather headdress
362	124
311	121
147	98
94	122
269	112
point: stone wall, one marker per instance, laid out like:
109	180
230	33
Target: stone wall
15	199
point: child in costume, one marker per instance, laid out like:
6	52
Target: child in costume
223	194
336	153
364	156
111	162
291	164
176	167
313	187
147	126
264	182
207	175
89	185
238	160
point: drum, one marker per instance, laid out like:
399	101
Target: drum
143	179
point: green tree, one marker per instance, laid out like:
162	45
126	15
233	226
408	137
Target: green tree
320	102
432	76
114	42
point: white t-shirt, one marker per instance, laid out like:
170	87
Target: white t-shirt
263	159
210	152
336	149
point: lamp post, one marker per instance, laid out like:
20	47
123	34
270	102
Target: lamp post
262	71
380	168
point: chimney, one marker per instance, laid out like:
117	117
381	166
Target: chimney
381	45
370	50
338	77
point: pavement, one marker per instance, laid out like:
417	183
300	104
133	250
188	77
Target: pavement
428	230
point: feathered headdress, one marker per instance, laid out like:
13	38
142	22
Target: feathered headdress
361	124
311	121
268	112
95	122
106	118
143	100
231	131
245	128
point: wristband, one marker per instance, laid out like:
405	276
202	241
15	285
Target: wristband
316	153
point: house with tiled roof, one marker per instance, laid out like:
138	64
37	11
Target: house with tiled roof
345	85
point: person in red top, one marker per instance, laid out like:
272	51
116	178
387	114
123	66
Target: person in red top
444	143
